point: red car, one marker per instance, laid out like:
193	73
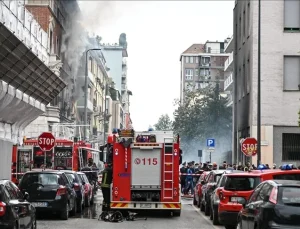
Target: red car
239	187
198	188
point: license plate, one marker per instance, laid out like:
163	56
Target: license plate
40	204
145	205
236	199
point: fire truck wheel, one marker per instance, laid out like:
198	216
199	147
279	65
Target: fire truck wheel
177	213
64	215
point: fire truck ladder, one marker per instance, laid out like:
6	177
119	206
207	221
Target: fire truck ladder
80	158
168	184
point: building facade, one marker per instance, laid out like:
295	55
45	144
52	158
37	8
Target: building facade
28	83
280	70
228	72
55	18
201	65
116	56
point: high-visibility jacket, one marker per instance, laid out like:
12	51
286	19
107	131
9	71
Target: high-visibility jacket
106	177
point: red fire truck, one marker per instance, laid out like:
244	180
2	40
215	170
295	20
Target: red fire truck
66	154
145	171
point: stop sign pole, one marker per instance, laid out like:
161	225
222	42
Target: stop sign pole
46	141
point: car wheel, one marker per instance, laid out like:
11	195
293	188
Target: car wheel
206	209
33	226
64	215
239	225
177	213
86	201
74	210
215	217
79	206
202	207
211	214
195	201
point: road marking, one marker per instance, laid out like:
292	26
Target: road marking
206	219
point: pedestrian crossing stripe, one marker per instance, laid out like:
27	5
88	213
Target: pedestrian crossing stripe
118	205
172	205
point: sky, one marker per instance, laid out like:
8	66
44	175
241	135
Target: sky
157	33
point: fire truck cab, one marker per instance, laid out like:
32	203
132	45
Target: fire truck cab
146	171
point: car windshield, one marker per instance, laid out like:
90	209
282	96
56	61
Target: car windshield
40	178
289	195
71	177
241	183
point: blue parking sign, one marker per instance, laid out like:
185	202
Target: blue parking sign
210	142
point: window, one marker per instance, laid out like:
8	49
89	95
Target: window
291	15
191	59
289	195
290	147
241	183
254	195
189	74
291	73
186	59
196	72
239	84
248	75
248	18
244	23
265	191
204	72
197	59
245	80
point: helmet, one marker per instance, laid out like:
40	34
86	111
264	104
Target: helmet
115	131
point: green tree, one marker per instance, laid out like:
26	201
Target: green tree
164	123
203	114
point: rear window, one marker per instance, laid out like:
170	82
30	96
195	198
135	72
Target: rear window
41	178
71	177
289	195
240	183
295	176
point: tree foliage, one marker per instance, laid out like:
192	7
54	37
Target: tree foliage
203	114
164	123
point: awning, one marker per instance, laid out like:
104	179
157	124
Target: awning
22	69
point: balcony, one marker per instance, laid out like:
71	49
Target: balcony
228	83
52	114
230	46
80	105
228	66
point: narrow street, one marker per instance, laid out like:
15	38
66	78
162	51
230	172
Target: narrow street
191	217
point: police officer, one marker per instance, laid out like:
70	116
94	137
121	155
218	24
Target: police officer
105	186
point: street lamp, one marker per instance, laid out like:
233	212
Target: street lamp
259	88
86	89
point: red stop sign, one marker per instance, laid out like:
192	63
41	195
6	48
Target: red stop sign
46	141
249	147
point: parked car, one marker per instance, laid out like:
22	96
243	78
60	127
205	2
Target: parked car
198	189
214	198
78	188
88	189
208	187
50	191
273	204
15	210
239	187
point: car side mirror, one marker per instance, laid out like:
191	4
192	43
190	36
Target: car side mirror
26	196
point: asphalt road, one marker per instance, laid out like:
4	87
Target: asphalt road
190	217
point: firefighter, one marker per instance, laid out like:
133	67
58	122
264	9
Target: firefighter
105	186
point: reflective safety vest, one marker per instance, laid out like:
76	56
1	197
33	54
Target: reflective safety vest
106	177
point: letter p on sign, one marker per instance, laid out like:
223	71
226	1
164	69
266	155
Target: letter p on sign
46	141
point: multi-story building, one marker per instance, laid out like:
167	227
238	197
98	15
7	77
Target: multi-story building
27	84
201	65
98	80
228	71
55	17
116	57
280	70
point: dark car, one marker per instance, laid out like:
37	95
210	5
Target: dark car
15	210
214	197
273	204
208	187
78	187
50	191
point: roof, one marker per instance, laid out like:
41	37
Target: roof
195	48
287	182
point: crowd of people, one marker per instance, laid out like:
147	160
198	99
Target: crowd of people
190	172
